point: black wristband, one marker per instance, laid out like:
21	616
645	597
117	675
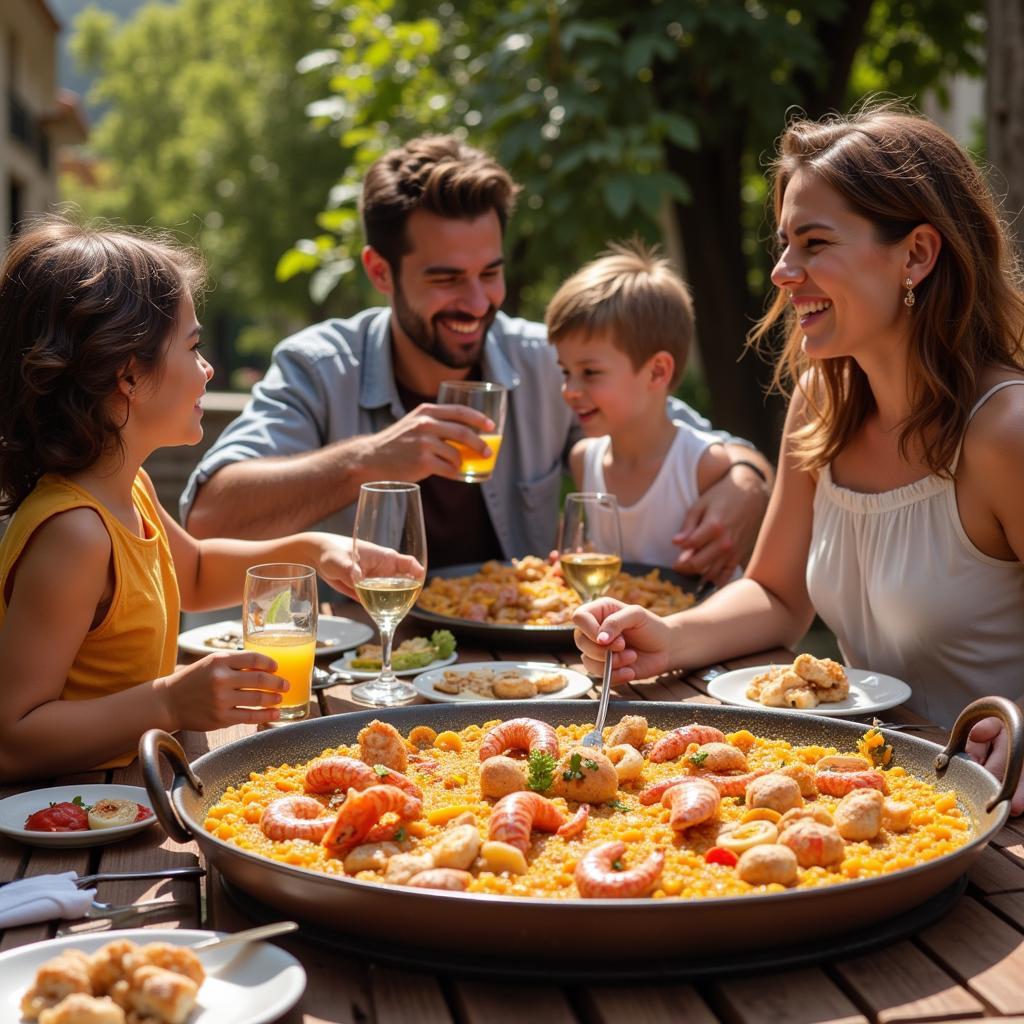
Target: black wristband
750	465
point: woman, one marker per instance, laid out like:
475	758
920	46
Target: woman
899	508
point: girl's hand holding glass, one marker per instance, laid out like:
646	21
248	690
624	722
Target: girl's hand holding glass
224	688
639	639
336	563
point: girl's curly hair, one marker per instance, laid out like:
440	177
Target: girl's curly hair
78	306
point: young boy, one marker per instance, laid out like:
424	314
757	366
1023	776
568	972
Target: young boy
623	326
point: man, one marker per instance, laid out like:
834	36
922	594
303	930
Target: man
346	402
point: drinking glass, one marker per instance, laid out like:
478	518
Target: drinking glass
279	612
590	543
492	401
389	515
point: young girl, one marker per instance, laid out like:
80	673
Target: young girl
899	508
100	365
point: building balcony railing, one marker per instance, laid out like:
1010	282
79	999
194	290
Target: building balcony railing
27	130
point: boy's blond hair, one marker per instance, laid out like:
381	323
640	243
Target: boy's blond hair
632	294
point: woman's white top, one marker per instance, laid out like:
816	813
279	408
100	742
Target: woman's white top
649	525
899	582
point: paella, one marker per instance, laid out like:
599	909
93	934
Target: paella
520	808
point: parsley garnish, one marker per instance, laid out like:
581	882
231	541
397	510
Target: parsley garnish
698	759
399	836
382	770
617	805
573	771
590	764
541	771
617	864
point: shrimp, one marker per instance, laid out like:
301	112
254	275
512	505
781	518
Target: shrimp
597	878
519	734
333	773
691	802
734	785
295	817
380	743
631	730
516	815
833	783
441	878
653	793
575	825
361	811
678	740
628	761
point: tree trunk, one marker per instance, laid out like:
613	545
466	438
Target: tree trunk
1004	102
712	234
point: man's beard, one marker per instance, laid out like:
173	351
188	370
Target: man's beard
427	337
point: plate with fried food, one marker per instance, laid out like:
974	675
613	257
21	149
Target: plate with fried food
501	680
819	686
527	601
417	654
148	974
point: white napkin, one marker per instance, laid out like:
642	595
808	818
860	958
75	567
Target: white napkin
43	898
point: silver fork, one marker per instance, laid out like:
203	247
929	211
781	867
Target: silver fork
595	738
101	917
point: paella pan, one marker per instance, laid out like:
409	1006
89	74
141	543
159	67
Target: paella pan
530	925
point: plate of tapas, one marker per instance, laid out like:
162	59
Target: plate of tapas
410	657
819	686
76	815
334	634
501	680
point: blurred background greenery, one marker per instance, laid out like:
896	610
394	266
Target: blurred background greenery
246	126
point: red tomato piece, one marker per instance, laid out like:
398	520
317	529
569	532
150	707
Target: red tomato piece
144	812
720	855
64	817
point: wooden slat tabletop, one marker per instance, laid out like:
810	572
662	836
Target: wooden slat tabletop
967	967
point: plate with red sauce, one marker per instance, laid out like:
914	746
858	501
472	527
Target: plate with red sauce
59	816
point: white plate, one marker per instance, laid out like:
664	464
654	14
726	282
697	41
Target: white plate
869	692
249	985
343	664
576	684
340	634
15	809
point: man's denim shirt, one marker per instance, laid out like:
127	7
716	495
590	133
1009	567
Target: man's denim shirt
334	380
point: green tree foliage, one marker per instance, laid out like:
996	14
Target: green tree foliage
207	134
623	119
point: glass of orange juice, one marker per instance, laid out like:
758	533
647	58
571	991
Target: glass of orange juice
492	401
279	612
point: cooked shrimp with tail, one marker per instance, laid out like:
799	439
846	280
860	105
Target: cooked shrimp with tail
330	774
598	878
515	816
295	817
676	742
526	734
833	783
362	810
691	802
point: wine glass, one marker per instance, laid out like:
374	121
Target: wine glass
389	515
279	613
590	553
492	401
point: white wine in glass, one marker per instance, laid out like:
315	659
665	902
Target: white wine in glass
590	543
389	515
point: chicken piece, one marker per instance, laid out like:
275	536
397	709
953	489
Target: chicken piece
768	864
370	857
82	1009
803	697
758	683
809	812
62	976
457	848
859	815
587	775
630	730
814	844
550	683
165	995
109	964
381	743
501	775
896	815
170	957
513	687
822	672
403	866
803	775
773	693
775	791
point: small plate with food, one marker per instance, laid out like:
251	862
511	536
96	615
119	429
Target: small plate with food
417	654
166	982
819	686
334	634
501	680
76	815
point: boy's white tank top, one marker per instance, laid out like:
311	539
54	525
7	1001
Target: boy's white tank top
649	525
899	582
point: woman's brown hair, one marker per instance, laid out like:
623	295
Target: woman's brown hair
78	306
898	170
436	173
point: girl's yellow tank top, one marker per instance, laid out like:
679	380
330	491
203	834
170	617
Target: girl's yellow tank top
137	638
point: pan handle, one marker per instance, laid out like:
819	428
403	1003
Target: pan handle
154	743
1013	722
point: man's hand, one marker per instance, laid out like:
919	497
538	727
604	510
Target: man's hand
721	527
416	447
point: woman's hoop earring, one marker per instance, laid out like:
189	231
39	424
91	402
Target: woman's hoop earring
909	299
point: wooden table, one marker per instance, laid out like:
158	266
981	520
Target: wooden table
968	966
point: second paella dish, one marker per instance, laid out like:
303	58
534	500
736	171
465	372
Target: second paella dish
532	592
521	808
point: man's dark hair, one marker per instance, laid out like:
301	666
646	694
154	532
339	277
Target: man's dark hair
437	173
